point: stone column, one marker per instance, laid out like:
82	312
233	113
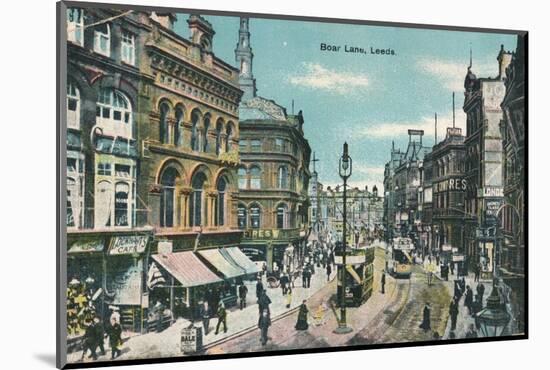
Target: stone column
184	207
211	200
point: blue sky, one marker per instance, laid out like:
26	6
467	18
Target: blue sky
366	100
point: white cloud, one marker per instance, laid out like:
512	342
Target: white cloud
399	129
317	77
451	73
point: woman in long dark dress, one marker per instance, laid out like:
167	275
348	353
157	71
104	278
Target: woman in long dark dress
302	324
426	324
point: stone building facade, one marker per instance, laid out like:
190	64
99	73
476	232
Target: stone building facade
448	187
273	177
484	194
513	129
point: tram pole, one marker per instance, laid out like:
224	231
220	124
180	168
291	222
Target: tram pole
345	173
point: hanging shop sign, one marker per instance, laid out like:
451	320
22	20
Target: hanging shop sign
128	244
87	246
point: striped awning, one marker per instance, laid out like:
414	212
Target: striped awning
224	265
187	268
240	259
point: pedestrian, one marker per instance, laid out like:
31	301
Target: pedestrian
302	324
309	273
222	318
243	291
288	297
264	268
477	271
115	338
329	271
472	332
159	312
115	314
453	312
304	276
469	299
283	280
259	288
452	267
99	335
264	323
89	340
480	291
383	282
263	302
426	323
205	314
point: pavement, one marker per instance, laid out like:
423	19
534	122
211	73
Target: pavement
167	342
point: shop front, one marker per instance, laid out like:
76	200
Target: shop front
124	266
185	281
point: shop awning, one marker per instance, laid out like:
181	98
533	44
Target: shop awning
86	246
241	260
228	268
186	268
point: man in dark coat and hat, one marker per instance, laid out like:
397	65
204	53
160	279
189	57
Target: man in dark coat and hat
453	312
115	338
90	341
243	291
383	282
480	291
302	324
263	302
264	323
469	299
259	288
99	334
426	323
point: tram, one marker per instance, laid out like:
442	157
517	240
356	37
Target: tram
358	274
401	257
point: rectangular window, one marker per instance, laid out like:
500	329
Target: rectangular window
255	145
75	26
102	39
243	143
122	170
71	164
104	169
128	48
279	145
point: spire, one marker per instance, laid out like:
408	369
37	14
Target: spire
453	109
435	142
243	57
470	66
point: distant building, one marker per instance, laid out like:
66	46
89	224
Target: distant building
390	191
448	188
484	194
513	126
274	175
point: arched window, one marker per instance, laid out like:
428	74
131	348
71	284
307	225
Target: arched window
228	137
241	216
196	201
194	131
255	178
204	135
122	190
167	199
219	128
75	25
255	216
220	202
282	217
73	106
71	200
102	39
292	179
103	204
178	130
241	172
164	131
114	113
282	177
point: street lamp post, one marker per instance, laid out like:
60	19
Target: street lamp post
344	170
